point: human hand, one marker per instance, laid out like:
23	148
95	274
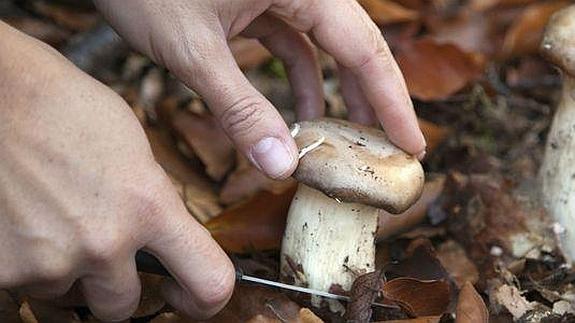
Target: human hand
189	37
80	193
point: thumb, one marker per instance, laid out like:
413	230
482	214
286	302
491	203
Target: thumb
248	118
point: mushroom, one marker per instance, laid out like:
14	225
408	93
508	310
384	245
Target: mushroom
346	173
557	172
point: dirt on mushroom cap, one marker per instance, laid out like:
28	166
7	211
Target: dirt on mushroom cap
355	163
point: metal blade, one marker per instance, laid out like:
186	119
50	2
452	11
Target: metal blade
294	288
148	263
241	277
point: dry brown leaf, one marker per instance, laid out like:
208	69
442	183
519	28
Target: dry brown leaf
392	224
197	192
202	203
257	224
67	17
203	134
170	318
33	310
249	53
470	306
42	30
26	314
482	5
511	299
435	71
524	36
418	297
471	31
423	319
260	305
434	134
246	180
9	311
454	259
307	316
363	293
151	301
385	12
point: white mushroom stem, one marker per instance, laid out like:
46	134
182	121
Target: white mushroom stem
327	243
558	168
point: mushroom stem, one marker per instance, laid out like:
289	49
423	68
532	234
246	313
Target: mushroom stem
327	243
558	169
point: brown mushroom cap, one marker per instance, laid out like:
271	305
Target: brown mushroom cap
354	163
558	43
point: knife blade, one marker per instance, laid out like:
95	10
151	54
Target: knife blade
147	263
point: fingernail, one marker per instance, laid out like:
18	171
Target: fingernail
272	157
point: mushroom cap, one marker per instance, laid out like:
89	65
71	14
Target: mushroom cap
558	43
354	163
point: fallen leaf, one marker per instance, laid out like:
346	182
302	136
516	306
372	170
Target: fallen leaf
482	5
524	36
246	180
248	302
202	204
385	12
194	188
363	293
26	314
393	224
511	299
8	308
492	222
249	53
151	301
435	71
470	306
455	261
307	316
422	319
203	134
420	262
470	31
67	16
418	297
42	30
151	90
33	310
257	224
433	133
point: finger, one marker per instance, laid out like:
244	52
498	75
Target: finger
249	119
358	108
113	293
299	58
344	30
204	274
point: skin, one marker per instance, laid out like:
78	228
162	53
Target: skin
189	37
80	191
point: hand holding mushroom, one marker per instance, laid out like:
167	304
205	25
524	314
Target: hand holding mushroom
329	237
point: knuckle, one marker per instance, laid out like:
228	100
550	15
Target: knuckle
376	50
103	248
53	270
242	116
